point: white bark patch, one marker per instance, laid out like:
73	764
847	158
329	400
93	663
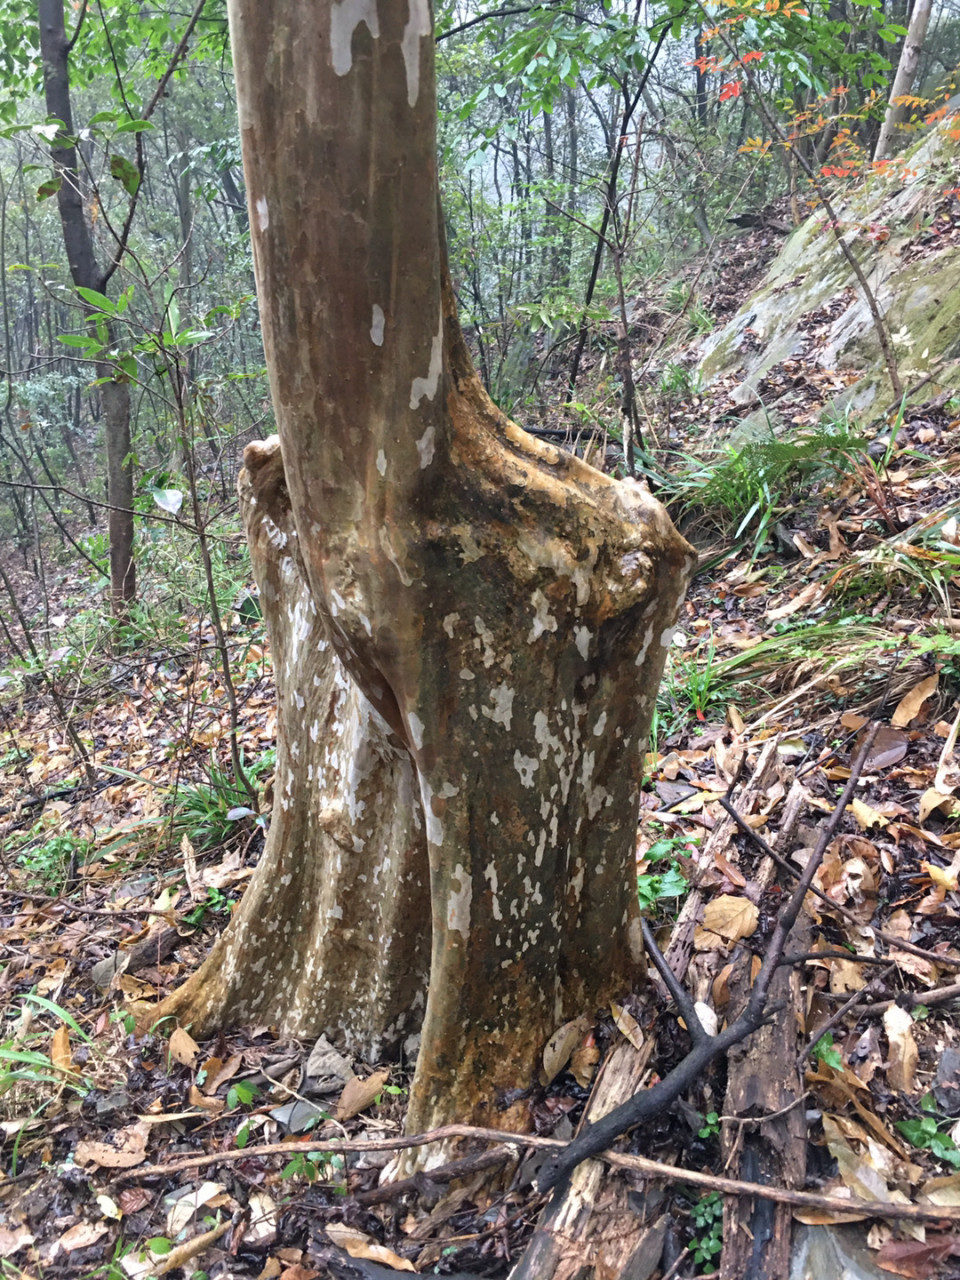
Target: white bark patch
647	637
275	534
337	602
345	17
582	637
526	766
426	445
467	674
458	903
666	639
543	619
263	213
449	622
485	641
427	386
416	729
434	825
377	324
502	711
601	724
490	874
382	463
418	26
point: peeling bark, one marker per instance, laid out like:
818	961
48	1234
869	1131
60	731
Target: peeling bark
497	612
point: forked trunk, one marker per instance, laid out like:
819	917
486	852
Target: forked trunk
496	612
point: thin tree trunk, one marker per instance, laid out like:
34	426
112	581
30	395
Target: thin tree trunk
86	274
897	112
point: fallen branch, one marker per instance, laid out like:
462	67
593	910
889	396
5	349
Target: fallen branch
643	1106
619	1160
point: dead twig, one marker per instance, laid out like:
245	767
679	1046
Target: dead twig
639	1164
900	944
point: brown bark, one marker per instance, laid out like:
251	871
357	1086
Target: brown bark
497	610
86	274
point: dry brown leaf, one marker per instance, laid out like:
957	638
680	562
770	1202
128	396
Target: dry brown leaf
208	1073
183	1048
129	1148
359	1094
82	1236
901	926
198	1099
731	917
132	1199
13	1240
810	595
584	1063
721	987
909	706
902	1064
559	1048
60	1054
932	799
846	976
359	1245
866	816
227	1071
627	1025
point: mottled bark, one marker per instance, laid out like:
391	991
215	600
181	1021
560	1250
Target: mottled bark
332	933
503	607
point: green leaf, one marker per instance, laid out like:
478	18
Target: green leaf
159	1245
50	187
125	173
97	300
102	117
135	126
77	340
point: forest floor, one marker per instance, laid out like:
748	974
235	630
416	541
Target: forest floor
823	605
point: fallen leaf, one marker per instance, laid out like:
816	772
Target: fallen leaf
866	816
182	1047
129	1148
198	1099
931	800
908	708
13	1240
184	1204
359	1245
810	594
732	918
109	1208
359	1094
917	1259
627	1025
559	1048
902	1064
60	1054
263	1220
584	1063
82	1236
133	1199
227	1071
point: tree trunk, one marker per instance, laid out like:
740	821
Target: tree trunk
495	612
897	112
86	274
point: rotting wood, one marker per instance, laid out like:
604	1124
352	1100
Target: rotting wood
763	1081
